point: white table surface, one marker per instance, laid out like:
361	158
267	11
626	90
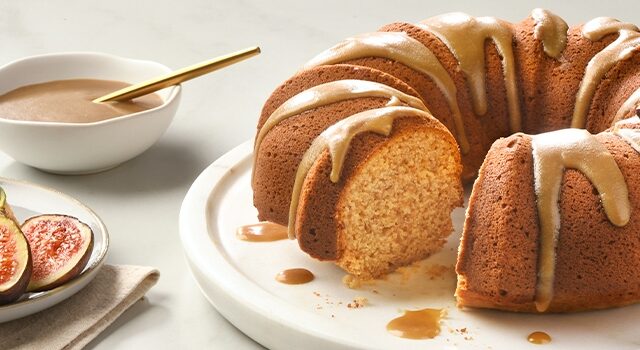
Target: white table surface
140	200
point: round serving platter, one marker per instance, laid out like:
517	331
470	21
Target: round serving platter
238	278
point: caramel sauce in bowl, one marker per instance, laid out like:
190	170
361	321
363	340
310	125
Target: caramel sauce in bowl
73	147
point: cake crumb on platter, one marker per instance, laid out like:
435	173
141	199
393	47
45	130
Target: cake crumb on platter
353	282
358	302
437	271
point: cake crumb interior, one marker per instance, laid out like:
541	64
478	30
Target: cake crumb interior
397	209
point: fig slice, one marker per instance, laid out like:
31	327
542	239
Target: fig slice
15	261
5	208
60	248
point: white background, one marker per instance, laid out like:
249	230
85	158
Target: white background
140	200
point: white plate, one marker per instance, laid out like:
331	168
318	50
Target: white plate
27	200
237	277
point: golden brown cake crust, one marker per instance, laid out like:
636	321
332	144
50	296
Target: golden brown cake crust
597	262
550	85
497	258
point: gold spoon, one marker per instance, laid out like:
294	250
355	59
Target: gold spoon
178	76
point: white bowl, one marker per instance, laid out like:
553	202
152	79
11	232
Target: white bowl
81	148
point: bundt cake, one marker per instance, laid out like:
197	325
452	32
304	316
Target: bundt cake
349	156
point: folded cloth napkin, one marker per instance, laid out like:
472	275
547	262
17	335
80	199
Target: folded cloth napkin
74	322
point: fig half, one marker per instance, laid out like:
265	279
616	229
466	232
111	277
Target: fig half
60	247
15	261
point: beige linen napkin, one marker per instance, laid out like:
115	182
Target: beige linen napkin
74	322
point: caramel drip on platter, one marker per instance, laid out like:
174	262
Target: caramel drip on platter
337	138
295	276
631	136
419	324
629	107
465	37
539	338
622	48
551	30
553	152
262	232
404	49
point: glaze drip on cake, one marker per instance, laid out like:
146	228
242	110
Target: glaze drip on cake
554	152
332	92
336	140
599	27
629	106
465	37
551	30
404	49
621	49
631	136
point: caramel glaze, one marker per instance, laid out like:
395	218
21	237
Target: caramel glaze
465	36
621	49
551	30
539	338
629	107
70	101
631	136
404	49
295	276
332	92
553	152
262	232
419	324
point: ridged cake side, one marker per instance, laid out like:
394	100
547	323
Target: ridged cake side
596	262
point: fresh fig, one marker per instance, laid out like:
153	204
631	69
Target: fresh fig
15	261
60	247
5	208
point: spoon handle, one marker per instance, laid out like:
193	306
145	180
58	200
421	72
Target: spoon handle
179	76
